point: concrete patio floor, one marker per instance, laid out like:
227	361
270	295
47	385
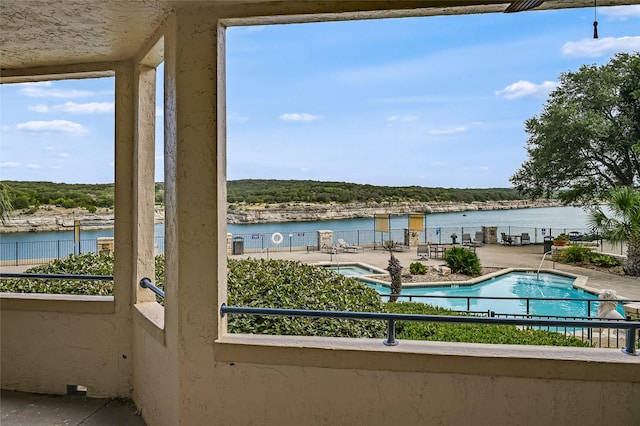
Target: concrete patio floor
29	409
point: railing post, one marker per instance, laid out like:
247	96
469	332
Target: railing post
391	333
630	341
17	253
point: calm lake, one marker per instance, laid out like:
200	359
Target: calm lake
553	218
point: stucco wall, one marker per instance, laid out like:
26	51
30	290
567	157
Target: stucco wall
321	396
46	351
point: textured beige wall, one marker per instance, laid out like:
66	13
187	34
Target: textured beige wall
261	394
46	351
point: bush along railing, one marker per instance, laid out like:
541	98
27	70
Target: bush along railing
631	327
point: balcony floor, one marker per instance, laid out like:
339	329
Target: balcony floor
28	409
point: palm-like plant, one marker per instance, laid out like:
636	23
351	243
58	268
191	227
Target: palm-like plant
623	225
395	270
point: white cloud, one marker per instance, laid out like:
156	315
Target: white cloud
299	117
54	125
403	118
42	89
33	166
621	13
237	117
592	48
63	154
524	88
39	108
88	108
447	131
10	164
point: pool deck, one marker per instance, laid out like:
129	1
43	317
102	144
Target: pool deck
491	255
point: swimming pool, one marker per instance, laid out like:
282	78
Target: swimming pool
513	285
354	269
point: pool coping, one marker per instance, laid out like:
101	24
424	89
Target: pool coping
580	281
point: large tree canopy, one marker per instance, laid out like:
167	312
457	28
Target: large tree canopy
582	144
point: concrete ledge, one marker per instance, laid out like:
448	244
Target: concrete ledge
540	362
66	303
150	316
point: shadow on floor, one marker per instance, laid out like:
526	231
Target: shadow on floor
29	409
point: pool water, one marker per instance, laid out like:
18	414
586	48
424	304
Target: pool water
513	284
353	270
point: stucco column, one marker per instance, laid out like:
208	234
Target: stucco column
195	191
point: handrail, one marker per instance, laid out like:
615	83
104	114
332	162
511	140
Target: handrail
631	326
146	283
4	275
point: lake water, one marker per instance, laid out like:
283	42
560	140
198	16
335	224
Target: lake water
538	222
549	218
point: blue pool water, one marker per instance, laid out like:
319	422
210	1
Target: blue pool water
515	285
354	270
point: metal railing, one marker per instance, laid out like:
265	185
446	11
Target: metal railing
631	327
8	275
528	301
146	283
33	252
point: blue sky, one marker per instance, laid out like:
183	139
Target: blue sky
434	101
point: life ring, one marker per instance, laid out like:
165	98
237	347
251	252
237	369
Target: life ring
276	238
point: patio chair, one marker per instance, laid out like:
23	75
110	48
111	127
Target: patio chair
344	246
423	251
479	239
466	239
505	239
525	239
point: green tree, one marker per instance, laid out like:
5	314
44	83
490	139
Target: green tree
582	144
622	225
5	204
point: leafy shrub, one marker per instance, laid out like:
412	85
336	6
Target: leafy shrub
604	260
85	264
294	285
470	333
417	268
462	261
576	254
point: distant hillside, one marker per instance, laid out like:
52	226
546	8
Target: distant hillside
258	191
30	195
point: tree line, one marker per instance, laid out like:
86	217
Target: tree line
26	195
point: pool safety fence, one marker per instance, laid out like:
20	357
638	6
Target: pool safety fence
590	304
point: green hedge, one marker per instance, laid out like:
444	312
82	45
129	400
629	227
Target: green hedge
294	285
470	333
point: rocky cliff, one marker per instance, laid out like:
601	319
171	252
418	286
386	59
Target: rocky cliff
55	219
308	212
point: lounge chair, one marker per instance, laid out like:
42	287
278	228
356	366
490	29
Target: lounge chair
423	251
525	239
466	239
479	239
344	246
